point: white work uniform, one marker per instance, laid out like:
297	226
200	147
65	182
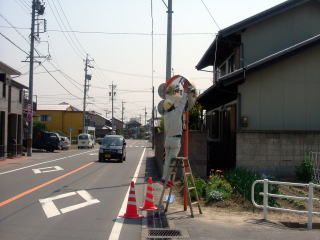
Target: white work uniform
173	132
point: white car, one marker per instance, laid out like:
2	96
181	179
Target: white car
85	140
65	143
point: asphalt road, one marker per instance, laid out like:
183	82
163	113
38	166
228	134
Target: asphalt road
69	195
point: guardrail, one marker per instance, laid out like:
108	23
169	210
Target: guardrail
266	195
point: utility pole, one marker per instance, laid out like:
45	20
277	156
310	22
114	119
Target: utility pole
112	94
169	40
87	78
39	8
145	116
122	113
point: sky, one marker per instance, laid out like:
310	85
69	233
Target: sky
116	35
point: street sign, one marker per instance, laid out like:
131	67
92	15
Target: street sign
71	130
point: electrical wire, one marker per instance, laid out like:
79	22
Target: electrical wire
70	28
22	6
117	33
215	22
76	51
60	83
8	39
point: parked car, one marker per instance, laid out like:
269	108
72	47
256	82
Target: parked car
65	143
48	141
112	147
85	140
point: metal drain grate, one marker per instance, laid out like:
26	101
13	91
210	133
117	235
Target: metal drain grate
164	233
156	233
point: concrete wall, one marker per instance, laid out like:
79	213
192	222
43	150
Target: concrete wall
285	95
275	153
197	152
281	31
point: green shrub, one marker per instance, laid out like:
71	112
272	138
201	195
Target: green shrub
241	181
218	189
305	171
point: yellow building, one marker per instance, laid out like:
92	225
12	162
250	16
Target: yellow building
62	117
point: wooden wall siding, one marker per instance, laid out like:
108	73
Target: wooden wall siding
284	96
281	31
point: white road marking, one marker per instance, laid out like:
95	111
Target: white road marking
117	226
47	169
54	160
92	154
51	210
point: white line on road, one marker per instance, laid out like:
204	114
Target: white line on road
51	210
54	160
116	229
47	169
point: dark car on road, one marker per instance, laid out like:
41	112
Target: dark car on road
112	147
49	141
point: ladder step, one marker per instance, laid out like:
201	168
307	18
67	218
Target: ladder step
195	202
191	188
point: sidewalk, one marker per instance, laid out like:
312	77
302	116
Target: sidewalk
216	225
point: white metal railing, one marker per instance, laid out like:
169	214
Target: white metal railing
266	195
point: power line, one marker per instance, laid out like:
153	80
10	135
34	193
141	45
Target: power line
13	43
76	51
60	83
23	6
116	33
14	28
71	30
210	14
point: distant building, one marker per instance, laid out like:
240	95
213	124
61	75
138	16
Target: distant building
68	119
11	112
133	128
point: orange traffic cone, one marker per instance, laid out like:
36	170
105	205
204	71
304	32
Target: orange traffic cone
132	204
148	203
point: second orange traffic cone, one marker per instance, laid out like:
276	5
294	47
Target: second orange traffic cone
132	204
149	203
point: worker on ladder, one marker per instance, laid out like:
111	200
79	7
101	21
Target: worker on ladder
174	106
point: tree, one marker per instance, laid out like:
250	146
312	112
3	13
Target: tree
194	117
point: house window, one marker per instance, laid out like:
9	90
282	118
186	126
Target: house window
228	66
4	90
45	118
